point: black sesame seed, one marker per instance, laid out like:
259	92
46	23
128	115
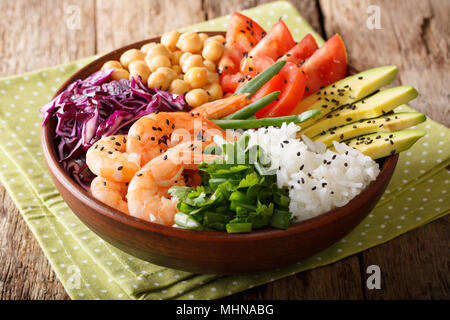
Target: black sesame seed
302	166
120	168
345	164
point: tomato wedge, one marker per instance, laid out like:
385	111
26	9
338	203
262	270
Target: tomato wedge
276	43
255	64
301	51
242	35
326	66
291	82
231	82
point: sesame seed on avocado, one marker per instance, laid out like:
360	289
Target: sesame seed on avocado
373	106
397	121
346	91
380	145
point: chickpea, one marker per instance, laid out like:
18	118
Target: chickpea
196	97
177	69
184	57
120	74
175	57
179	86
131	55
194	60
211	66
139	68
158	50
169	72
214	91
213	77
112	64
146	47
158	62
219	38
197	77
213	50
190	42
158	80
169	39
203	37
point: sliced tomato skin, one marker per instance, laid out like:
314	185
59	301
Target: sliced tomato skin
291	82
258	64
231	82
326	66
242	35
275	44
301	51
243	32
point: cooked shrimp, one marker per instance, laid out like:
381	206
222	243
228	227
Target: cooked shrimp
107	158
153	134
147	195
221	108
110	192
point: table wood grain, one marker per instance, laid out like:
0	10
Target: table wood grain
35	34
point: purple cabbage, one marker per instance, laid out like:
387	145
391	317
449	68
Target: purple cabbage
95	107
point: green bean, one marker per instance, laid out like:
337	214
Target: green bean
254	107
265	122
257	82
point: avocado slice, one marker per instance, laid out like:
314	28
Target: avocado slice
379	145
376	105
385	123
345	91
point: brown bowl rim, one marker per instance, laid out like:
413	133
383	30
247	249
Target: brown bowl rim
98	207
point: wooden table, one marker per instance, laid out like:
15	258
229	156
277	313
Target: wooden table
414	35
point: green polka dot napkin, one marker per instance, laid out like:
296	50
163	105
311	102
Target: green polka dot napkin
89	268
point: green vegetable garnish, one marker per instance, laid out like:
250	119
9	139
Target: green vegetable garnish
265	122
257	82
237	193
254	107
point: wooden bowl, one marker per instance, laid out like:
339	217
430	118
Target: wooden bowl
207	251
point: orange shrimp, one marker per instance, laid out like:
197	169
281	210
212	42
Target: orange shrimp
110	192
153	134
107	158
147	195
221	108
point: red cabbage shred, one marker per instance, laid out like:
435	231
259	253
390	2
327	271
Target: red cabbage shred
95	107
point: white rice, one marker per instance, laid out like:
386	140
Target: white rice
318	179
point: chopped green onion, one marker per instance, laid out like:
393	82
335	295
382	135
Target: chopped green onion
265	122
186	221
257	82
239	227
254	107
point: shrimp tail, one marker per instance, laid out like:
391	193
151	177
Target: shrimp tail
223	107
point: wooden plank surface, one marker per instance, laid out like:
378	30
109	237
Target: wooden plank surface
413	36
